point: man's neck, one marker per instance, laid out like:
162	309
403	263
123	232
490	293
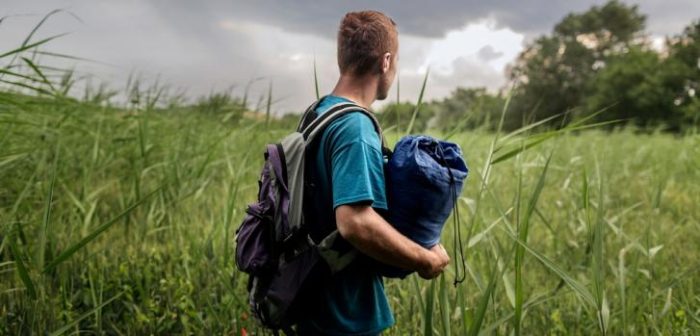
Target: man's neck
361	90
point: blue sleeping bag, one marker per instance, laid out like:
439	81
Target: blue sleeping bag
424	177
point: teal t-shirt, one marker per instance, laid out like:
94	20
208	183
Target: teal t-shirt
348	168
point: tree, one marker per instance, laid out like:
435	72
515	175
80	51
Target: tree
639	87
467	108
399	115
553	72
684	54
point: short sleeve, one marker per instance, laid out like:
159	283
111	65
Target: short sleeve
357	164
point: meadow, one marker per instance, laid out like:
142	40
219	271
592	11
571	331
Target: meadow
121	221
119	218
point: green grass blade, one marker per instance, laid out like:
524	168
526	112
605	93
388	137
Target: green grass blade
39	24
268	106
398	87
30	46
579	289
19	75
487	171
459	127
480	313
21	267
10	158
38	72
530	126
519	150
44	233
418	296
523	232
444	306
489	330
62	330
26	86
68	57
541	137
599	262
418	104
428	310
621	273
584	190
94	234
318	96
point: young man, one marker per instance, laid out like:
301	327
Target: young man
346	164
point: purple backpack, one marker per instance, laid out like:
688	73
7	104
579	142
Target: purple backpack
273	245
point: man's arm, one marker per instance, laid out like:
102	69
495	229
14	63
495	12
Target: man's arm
367	231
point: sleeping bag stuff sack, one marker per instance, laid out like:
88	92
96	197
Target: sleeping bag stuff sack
424	178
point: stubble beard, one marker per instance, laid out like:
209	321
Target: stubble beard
383	88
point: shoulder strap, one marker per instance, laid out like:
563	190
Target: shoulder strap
336	111
308	115
335	259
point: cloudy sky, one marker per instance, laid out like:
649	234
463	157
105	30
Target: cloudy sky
210	45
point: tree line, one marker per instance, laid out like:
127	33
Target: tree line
600	64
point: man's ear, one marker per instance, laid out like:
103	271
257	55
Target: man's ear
386	62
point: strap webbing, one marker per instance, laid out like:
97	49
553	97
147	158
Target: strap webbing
334	112
311	127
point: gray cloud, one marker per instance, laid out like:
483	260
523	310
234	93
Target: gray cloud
487	53
427	19
185	43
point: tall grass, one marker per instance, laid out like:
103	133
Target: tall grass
119	219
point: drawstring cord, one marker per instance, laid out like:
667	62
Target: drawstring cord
457	236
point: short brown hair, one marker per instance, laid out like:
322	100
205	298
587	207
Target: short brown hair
363	37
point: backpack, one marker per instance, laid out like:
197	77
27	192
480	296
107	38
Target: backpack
273	246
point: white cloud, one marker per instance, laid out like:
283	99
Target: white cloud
457	59
469	41
658	43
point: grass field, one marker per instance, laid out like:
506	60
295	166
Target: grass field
121	221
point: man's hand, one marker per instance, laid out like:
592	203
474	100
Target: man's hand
437	259
365	229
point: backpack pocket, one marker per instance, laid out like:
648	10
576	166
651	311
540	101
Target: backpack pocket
253	255
255	237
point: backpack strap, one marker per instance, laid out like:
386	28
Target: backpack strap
318	125
315	127
308	115
335	260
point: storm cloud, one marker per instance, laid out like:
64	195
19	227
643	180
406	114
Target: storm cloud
422	18
211	45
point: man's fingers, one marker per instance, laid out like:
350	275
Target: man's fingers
441	262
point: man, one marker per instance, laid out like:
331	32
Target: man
346	166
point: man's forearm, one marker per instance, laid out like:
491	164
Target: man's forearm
367	231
